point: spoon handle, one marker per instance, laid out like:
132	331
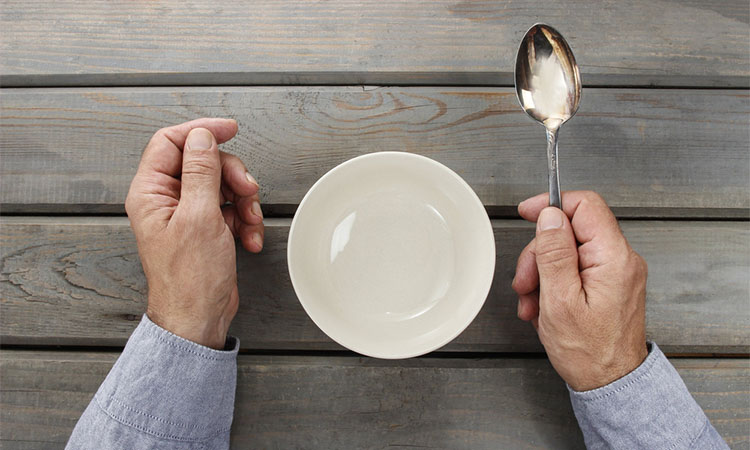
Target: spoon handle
554	174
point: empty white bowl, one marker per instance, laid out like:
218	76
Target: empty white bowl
391	254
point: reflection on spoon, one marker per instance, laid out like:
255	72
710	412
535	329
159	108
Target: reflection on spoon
549	92
341	235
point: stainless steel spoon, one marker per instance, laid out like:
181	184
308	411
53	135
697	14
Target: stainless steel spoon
548	86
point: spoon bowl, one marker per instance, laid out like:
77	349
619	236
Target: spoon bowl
548	86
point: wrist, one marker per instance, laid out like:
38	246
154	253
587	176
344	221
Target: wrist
208	333
606	373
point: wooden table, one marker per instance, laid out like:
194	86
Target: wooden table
662	134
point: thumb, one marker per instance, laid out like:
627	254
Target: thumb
556	258
201	169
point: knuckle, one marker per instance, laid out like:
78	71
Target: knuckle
634	269
201	162
160	134
233	160
555	252
129	205
559	256
594	198
595	202
638	266
642	264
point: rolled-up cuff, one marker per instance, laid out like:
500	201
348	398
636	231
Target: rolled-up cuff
170	387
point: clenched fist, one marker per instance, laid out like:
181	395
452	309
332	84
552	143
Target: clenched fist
187	204
584	289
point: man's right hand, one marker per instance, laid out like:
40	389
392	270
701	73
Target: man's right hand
587	302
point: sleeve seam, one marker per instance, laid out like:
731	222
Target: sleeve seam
155	433
190	350
158	419
158	332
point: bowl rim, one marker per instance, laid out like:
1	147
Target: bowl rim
484	281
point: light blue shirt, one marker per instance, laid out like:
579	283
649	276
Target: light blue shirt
169	393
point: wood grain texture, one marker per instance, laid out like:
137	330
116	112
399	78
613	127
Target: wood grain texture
638	42
349	402
650	153
69	281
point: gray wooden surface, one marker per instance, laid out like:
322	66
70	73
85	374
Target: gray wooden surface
637	42
351	402
88	288
650	153
663	134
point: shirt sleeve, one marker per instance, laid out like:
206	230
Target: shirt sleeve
163	392
647	408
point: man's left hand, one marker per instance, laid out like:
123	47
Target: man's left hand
185	237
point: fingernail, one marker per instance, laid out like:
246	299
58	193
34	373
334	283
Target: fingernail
550	218
250	178
521	204
256	209
518	309
257	239
200	139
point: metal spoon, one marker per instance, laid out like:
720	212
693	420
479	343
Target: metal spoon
548	86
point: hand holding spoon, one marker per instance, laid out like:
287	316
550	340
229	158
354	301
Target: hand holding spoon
548	86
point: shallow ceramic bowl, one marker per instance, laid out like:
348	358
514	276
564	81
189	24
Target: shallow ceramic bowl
391	254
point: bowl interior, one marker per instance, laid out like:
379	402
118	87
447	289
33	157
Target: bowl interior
391	254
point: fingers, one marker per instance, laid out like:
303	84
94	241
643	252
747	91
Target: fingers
587	210
201	172
526	283
236	177
163	153
530	208
557	259
240	188
251	235
593	223
222	129
244	217
250	210
527	275
161	164
528	306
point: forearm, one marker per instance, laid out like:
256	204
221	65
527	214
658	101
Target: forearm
163	392
648	408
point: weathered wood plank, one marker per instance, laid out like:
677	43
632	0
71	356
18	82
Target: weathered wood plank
651	153
640	42
78	281
349	402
